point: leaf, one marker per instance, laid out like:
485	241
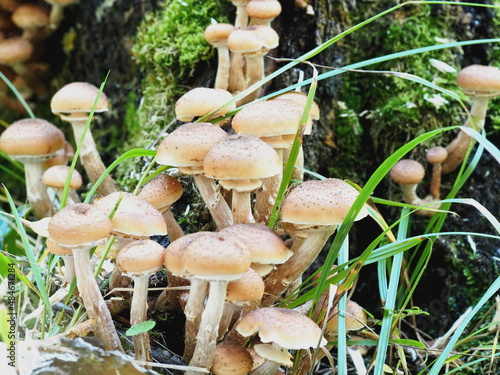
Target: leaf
140	328
407	342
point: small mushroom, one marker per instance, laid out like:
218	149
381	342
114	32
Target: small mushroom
263	12
435	156
217	34
231	359
200	101
56	11
55	177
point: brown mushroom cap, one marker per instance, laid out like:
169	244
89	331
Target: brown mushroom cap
248	288
320	202
264	244
216	256
231	359
300	98
436	154
78	225
140	258
479	80
134	217
253	40
355	318
200	101
30	16
240	161
162	191
54	248
173	257
31	137
287	328
217	33
76	99
187	146
56	176
15	50
407	172
263	9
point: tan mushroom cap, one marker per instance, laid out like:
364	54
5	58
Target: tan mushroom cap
15	50
436	154
200	101
355	318
187	146
75	100
134	217
162	191
264	244
30	17
216	256
253	40
79	225
231	359
217	33
320	202
479	80
248	288
286	328
175	251
31	137
407	172
56	176
300	98
275	122
54	248
263	9
60	157
140	258
240	162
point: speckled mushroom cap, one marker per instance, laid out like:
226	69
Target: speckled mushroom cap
175	251
231	359
56	176
162	191
479	80
140	258
216	256
200	101
240	162
31	137
300	98
54	248
263	9
275	122
79	225
264	244
217	33
436	154
134	217
287	328
407	172
187	146
15	50
30	16
248	288
75	101
355	318
253	40
320	202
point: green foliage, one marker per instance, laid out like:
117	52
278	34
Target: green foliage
141	327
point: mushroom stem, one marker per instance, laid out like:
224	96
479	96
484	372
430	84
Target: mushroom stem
193	311
268	367
435	186
103	326
91	161
55	16
35	189
69	268
285	274
255	72
241	207
266	195
138	314
459	146
237	82
218	207
174	230
410	195
209	326
223	67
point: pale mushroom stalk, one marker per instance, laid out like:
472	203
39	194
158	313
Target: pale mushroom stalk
241	19
241	207
285	274
174	230
268	367
193	312
96	308
459	146
255	72
91	160
138	314
35	189
69	268
218	207
237	81
265	198
223	67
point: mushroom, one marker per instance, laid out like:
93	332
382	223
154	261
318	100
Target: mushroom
61	156
80	227
140	260
161	192
31	18
73	103
200	101
32	142
263	12
312	211
480	83
217	258
186	148
279	330
355	319
231	359
56	176
56	11
240	162
435	156
217	34
241	14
